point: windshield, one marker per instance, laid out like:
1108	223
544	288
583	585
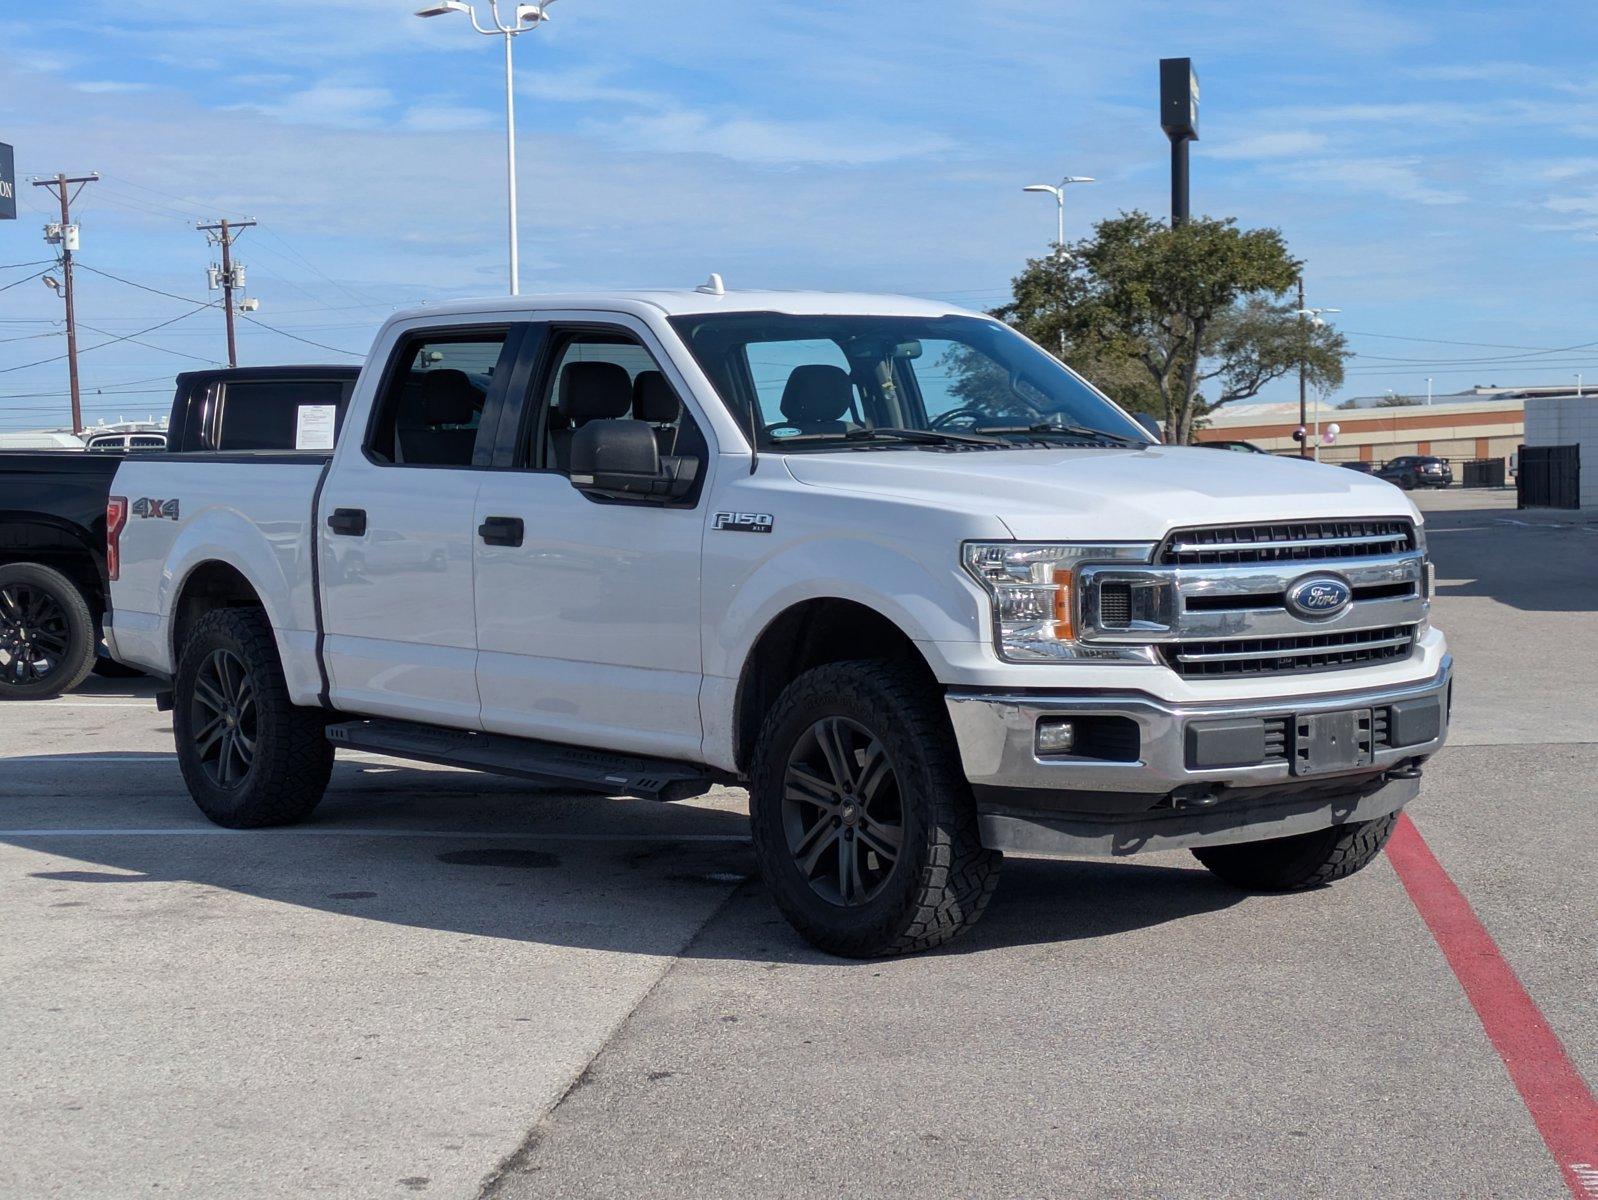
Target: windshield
815	383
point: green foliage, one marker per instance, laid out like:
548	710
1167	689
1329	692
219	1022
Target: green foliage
1156	316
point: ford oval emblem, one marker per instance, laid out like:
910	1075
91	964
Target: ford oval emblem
1316	597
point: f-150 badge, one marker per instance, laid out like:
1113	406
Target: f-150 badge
145	507
744	522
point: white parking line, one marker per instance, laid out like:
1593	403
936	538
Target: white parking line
210	831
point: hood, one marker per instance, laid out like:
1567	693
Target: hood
1106	494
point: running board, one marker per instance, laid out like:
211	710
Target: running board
547	762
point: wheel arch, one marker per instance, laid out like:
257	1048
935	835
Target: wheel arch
208	585
805	635
62	547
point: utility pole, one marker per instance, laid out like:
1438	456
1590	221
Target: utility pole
66	236
1303	445
229	276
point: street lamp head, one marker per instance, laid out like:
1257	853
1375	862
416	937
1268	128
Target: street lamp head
443	7
1042	187
530	14
51	282
1079	179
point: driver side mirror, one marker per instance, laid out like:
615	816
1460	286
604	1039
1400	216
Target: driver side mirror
1151	426
621	460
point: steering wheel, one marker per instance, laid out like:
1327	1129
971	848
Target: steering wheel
944	420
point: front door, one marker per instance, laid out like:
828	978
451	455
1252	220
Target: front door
397	532
588	611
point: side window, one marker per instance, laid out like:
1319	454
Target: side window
274	414
597	376
433	397
802	383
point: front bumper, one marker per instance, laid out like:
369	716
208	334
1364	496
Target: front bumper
1195	774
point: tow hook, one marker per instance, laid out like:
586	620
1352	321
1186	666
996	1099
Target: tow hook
1409	770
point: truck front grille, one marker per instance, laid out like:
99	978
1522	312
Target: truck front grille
1310	652
1286	541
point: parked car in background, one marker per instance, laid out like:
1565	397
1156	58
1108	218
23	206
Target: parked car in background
928	593
1239	447
54	508
1411	471
1360	465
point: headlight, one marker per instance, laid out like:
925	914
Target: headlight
1031	586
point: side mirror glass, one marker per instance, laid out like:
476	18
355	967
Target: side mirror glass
622	460
1151	426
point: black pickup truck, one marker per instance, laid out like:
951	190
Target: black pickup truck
53	570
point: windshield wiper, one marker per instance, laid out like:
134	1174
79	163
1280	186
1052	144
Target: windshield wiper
929	437
1079	431
893	433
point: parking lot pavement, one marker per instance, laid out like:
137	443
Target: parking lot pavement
445	985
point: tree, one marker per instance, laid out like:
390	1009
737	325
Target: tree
1155	314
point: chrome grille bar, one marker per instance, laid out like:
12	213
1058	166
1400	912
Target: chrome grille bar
1332	647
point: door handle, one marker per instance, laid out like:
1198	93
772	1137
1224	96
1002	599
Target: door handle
501	531
351	522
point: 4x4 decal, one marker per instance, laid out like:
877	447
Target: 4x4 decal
160	509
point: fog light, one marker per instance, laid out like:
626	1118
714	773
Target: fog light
1056	735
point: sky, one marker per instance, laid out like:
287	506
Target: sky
1435	166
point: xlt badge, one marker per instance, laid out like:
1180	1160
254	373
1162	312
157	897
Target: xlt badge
741	522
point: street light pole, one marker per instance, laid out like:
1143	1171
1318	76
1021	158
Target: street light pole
1057	190
1315	320
1428	391
527	16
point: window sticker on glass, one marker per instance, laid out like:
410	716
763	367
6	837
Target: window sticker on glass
314	426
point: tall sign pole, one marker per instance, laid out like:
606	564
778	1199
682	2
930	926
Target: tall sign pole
8	184
1179	105
65	235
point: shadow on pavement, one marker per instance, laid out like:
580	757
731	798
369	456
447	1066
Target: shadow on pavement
494	858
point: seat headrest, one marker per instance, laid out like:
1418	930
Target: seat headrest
595	391
653	399
448	398
817	392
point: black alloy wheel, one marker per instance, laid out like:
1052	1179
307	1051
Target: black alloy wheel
224	719
35	634
842	812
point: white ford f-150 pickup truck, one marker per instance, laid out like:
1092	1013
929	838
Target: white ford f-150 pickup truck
928	593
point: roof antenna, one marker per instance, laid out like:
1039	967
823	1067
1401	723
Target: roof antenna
712	286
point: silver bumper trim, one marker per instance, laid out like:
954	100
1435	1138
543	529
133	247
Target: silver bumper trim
996	732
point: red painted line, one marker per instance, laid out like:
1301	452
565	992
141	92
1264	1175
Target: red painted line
1555	1094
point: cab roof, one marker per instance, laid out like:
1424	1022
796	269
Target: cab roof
691	301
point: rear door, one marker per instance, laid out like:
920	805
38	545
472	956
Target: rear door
588	610
397	531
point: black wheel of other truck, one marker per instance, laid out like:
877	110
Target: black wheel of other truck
864	825
249	757
1303	861
47	634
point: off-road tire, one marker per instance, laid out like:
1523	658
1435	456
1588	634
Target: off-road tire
75	626
1306	860
943	879
292	758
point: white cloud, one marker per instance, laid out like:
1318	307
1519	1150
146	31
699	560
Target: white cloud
99	87
334	105
1400	179
1269	145
447	118
776	143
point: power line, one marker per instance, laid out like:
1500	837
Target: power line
26	278
148	345
307	341
100	345
146	288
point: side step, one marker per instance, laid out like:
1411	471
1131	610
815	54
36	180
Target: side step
547	762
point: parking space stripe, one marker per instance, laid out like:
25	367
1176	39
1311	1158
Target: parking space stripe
1559	1100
